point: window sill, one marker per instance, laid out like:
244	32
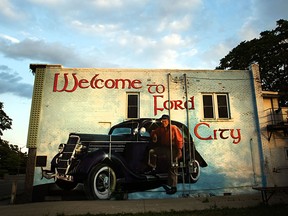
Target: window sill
216	120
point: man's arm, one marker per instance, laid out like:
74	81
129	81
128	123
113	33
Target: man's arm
178	140
153	136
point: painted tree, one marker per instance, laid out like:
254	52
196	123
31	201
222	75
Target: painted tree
270	51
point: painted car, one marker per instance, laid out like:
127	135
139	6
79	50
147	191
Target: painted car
116	163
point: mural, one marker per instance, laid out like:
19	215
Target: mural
86	136
118	162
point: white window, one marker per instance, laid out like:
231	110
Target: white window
132	105
216	106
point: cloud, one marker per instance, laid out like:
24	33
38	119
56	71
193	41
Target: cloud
115	33
210	58
11	82
47	52
9	11
94	29
36	50
173	40
133	49
167	51
176	25
107	33
264	15
9	38
270	10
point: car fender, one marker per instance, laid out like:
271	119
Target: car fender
96	157
91	159
100	156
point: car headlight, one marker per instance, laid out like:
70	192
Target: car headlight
79	148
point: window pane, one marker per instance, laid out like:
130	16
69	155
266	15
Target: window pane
207	100
133	106
222	106
132	112
221	99
208	112
132	100
223	112
208	106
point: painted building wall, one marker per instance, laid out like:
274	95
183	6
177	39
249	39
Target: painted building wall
91	100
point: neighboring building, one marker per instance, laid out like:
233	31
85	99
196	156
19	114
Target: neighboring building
222	108
274	130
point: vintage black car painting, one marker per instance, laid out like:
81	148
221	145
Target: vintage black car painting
116	163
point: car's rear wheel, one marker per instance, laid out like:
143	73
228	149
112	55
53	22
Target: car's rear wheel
101	182
193	171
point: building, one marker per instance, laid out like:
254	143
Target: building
223	109
274	130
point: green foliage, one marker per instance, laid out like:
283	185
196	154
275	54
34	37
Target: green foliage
5	121
270	51
12	160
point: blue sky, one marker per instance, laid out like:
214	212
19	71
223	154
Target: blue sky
192	34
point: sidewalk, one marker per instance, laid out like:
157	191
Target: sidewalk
132	206
76	203
128	206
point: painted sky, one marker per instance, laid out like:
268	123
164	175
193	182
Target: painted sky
193	34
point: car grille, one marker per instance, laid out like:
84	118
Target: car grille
65	159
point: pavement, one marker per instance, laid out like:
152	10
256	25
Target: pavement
82	207
126	206
68	205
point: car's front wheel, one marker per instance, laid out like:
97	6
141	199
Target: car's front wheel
101	182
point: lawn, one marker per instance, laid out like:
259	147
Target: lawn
261	210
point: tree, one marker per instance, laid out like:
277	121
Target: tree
12	160
270	51
5	121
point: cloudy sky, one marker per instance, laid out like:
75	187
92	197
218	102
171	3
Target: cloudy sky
192	34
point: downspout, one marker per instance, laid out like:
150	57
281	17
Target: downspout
260	148
252	159
189	141
188	122
169	113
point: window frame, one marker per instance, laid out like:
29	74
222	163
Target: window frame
216	106
135	106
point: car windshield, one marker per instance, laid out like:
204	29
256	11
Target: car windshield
121	131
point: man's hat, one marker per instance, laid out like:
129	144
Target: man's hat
165	117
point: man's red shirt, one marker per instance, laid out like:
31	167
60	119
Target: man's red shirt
163	136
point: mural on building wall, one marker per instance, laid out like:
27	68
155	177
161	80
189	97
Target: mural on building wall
93	143
101	162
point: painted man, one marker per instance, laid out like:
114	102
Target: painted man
161	136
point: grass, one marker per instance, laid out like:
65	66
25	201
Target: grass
261	210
